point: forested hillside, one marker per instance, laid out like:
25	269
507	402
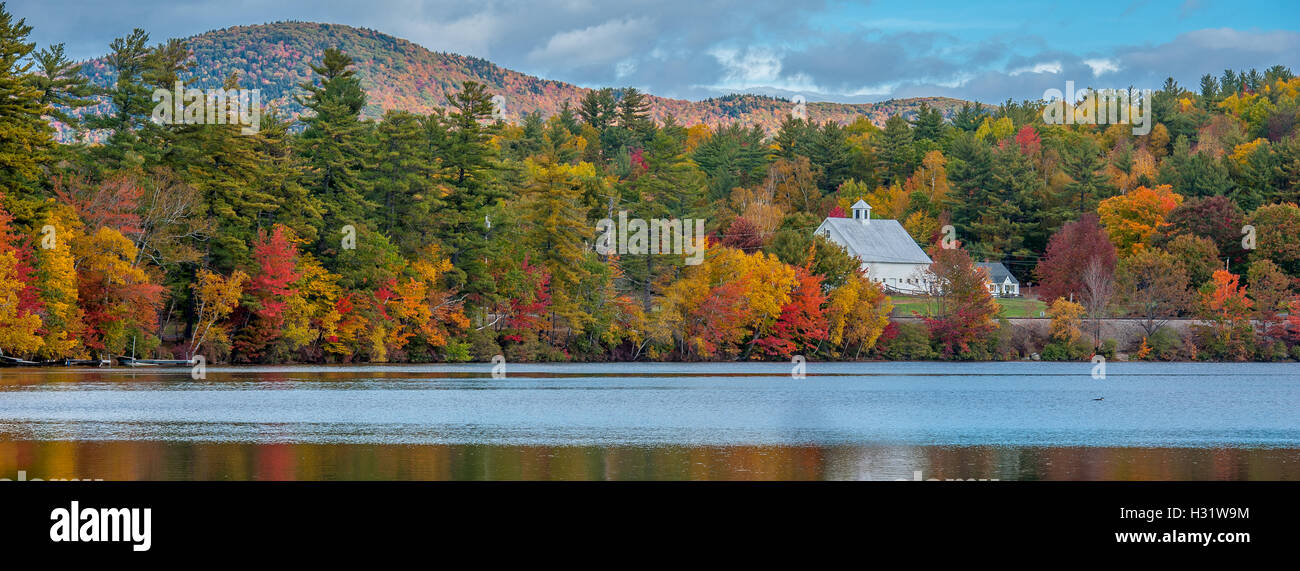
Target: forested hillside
400	75
441	233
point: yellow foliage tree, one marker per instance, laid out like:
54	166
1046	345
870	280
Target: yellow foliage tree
730	299
856	314
1066	316
18	332
57	283
215	297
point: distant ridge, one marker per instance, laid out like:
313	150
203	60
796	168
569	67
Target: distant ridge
399	74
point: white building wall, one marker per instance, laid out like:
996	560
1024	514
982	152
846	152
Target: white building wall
908	278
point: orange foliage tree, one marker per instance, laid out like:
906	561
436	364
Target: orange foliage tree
1132	218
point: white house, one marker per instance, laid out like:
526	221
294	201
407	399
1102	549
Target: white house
1001	283
889	255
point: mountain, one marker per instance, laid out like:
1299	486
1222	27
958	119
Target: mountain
398	74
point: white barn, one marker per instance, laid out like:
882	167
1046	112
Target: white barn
889	255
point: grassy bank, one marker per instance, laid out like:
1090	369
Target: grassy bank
906	306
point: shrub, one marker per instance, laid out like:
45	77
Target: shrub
1059	350
456	352
483	344
1108	348
1166	344
912	343
1276	351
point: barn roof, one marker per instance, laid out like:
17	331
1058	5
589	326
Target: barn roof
880	241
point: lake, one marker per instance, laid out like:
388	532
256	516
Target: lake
665	421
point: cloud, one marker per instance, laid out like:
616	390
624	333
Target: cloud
1101	66
605	43
1053	67
824	50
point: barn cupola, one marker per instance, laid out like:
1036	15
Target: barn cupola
862	212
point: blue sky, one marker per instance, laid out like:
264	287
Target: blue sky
824	50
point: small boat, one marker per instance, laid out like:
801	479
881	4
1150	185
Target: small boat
84	363
134	362
7	361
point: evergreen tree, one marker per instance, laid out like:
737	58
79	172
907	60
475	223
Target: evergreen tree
1194	174
928	125
598	108
401	179
63	88
25	139
333	146
971	174
894	152
467	159
734	156
1083	163
828	149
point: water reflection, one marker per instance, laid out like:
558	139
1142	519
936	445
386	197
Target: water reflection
660	421
127	460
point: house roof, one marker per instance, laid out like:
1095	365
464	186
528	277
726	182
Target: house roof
880	241
998	273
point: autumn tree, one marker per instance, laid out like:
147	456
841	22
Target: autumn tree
1270	289
118	301
216	297
857	313
1224	303
18	328
1153	287
1066	337
801	326
1277	239
269	290
1215	218
719	308
966	311
1069	253
1131	219
57	279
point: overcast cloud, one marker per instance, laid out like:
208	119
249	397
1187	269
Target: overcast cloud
842	51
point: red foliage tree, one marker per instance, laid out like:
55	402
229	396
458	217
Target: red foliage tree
743	235
966	310
1028	140
1069	253
276	258
113	203
28	299
528	310
802	322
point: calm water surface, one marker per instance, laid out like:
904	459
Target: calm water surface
656	421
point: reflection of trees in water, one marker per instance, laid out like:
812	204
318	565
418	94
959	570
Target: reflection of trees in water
151	460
